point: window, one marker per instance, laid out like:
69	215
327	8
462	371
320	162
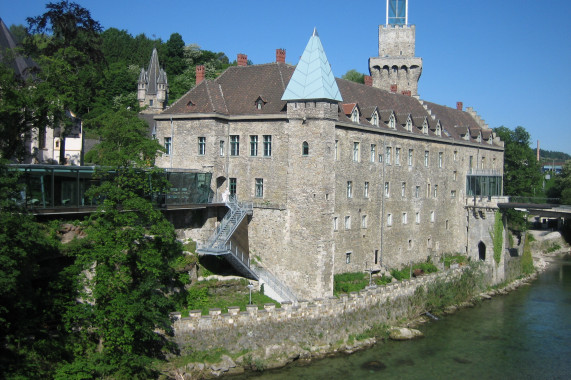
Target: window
397	156
336	150
348	257
453	194
410	151
375	119
426	158
373	152
267	145
201	146
356	152
403	189
259	187
380	158
366	191
387	189
168	145
428	191
151	102
483	163
471	160
349	189
253	146
364	221
234	145
435	191
417	217
388	155
221	148
233	184
455	175
347	222
392	123
305	149
389	219
440	159
404	218
417	191
335	223
432	216
455	155
355	116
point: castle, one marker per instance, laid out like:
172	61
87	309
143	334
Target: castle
339	176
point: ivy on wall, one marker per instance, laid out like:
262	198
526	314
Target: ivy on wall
497	235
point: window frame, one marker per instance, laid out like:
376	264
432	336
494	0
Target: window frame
234	145
201	145
259	188
267	145
253	145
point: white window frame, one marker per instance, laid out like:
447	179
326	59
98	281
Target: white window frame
349	189
348	222
356	151
373	152
366	190
201	146
387	189
259	188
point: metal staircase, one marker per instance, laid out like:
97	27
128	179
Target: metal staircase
220	244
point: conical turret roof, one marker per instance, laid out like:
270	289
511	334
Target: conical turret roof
312	78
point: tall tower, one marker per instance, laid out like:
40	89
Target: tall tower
152	88
396	69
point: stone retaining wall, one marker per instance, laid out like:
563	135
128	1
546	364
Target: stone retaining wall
310	323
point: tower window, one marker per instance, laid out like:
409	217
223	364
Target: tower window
305	149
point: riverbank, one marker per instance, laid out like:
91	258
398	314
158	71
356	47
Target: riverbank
323	328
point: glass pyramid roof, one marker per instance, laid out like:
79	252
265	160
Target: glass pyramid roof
312	78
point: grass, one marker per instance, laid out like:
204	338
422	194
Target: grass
208	356
212	294
454	259
349	282
553	248
404	274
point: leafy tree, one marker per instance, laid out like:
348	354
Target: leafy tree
125	271
562	188
354	76
65	41
19	33
174	63
522	175
16	113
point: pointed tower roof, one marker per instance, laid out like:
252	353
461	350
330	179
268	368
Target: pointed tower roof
153	73
312	78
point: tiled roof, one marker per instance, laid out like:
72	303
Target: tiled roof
348	108
313	78
20	65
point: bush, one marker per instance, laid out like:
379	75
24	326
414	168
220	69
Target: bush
349	282
526	258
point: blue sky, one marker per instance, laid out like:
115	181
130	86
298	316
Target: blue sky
507	59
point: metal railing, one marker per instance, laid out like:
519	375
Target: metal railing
236	213
276	285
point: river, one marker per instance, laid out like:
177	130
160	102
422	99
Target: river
523	335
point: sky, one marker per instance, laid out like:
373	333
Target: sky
508	59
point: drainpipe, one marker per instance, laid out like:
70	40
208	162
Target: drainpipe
172	142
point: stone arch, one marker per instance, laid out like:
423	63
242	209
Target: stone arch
482	251
394	70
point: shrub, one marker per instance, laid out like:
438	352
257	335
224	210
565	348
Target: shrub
526	258
349	282
497	236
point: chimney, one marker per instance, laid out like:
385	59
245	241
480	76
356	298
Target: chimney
368	80
538	151
199	74
459	106
242	60
280	55
393	88
407	93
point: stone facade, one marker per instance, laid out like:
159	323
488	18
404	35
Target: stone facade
396	69
376	180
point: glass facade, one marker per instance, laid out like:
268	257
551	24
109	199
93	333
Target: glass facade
482	185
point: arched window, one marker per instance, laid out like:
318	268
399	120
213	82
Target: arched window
305	149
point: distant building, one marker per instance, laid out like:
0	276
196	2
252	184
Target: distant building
342	176
153	88
43	144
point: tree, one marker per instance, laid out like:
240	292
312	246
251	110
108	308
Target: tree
65	41
174	63
16	114
562	188
125	271
522	175
354	76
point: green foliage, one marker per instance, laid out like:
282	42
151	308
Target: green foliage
349	282
404	273
454	259
555	247
522	175
562	187
354	76
497	235
190	246
526	258
440	294
552	155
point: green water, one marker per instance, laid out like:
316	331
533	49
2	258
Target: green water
524	335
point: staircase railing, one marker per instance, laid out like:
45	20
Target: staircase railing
236	213
276	285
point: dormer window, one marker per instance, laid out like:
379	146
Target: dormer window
190	104
479	138
260	103
392	122
375	119
355	115
425	127
408	124
438	129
